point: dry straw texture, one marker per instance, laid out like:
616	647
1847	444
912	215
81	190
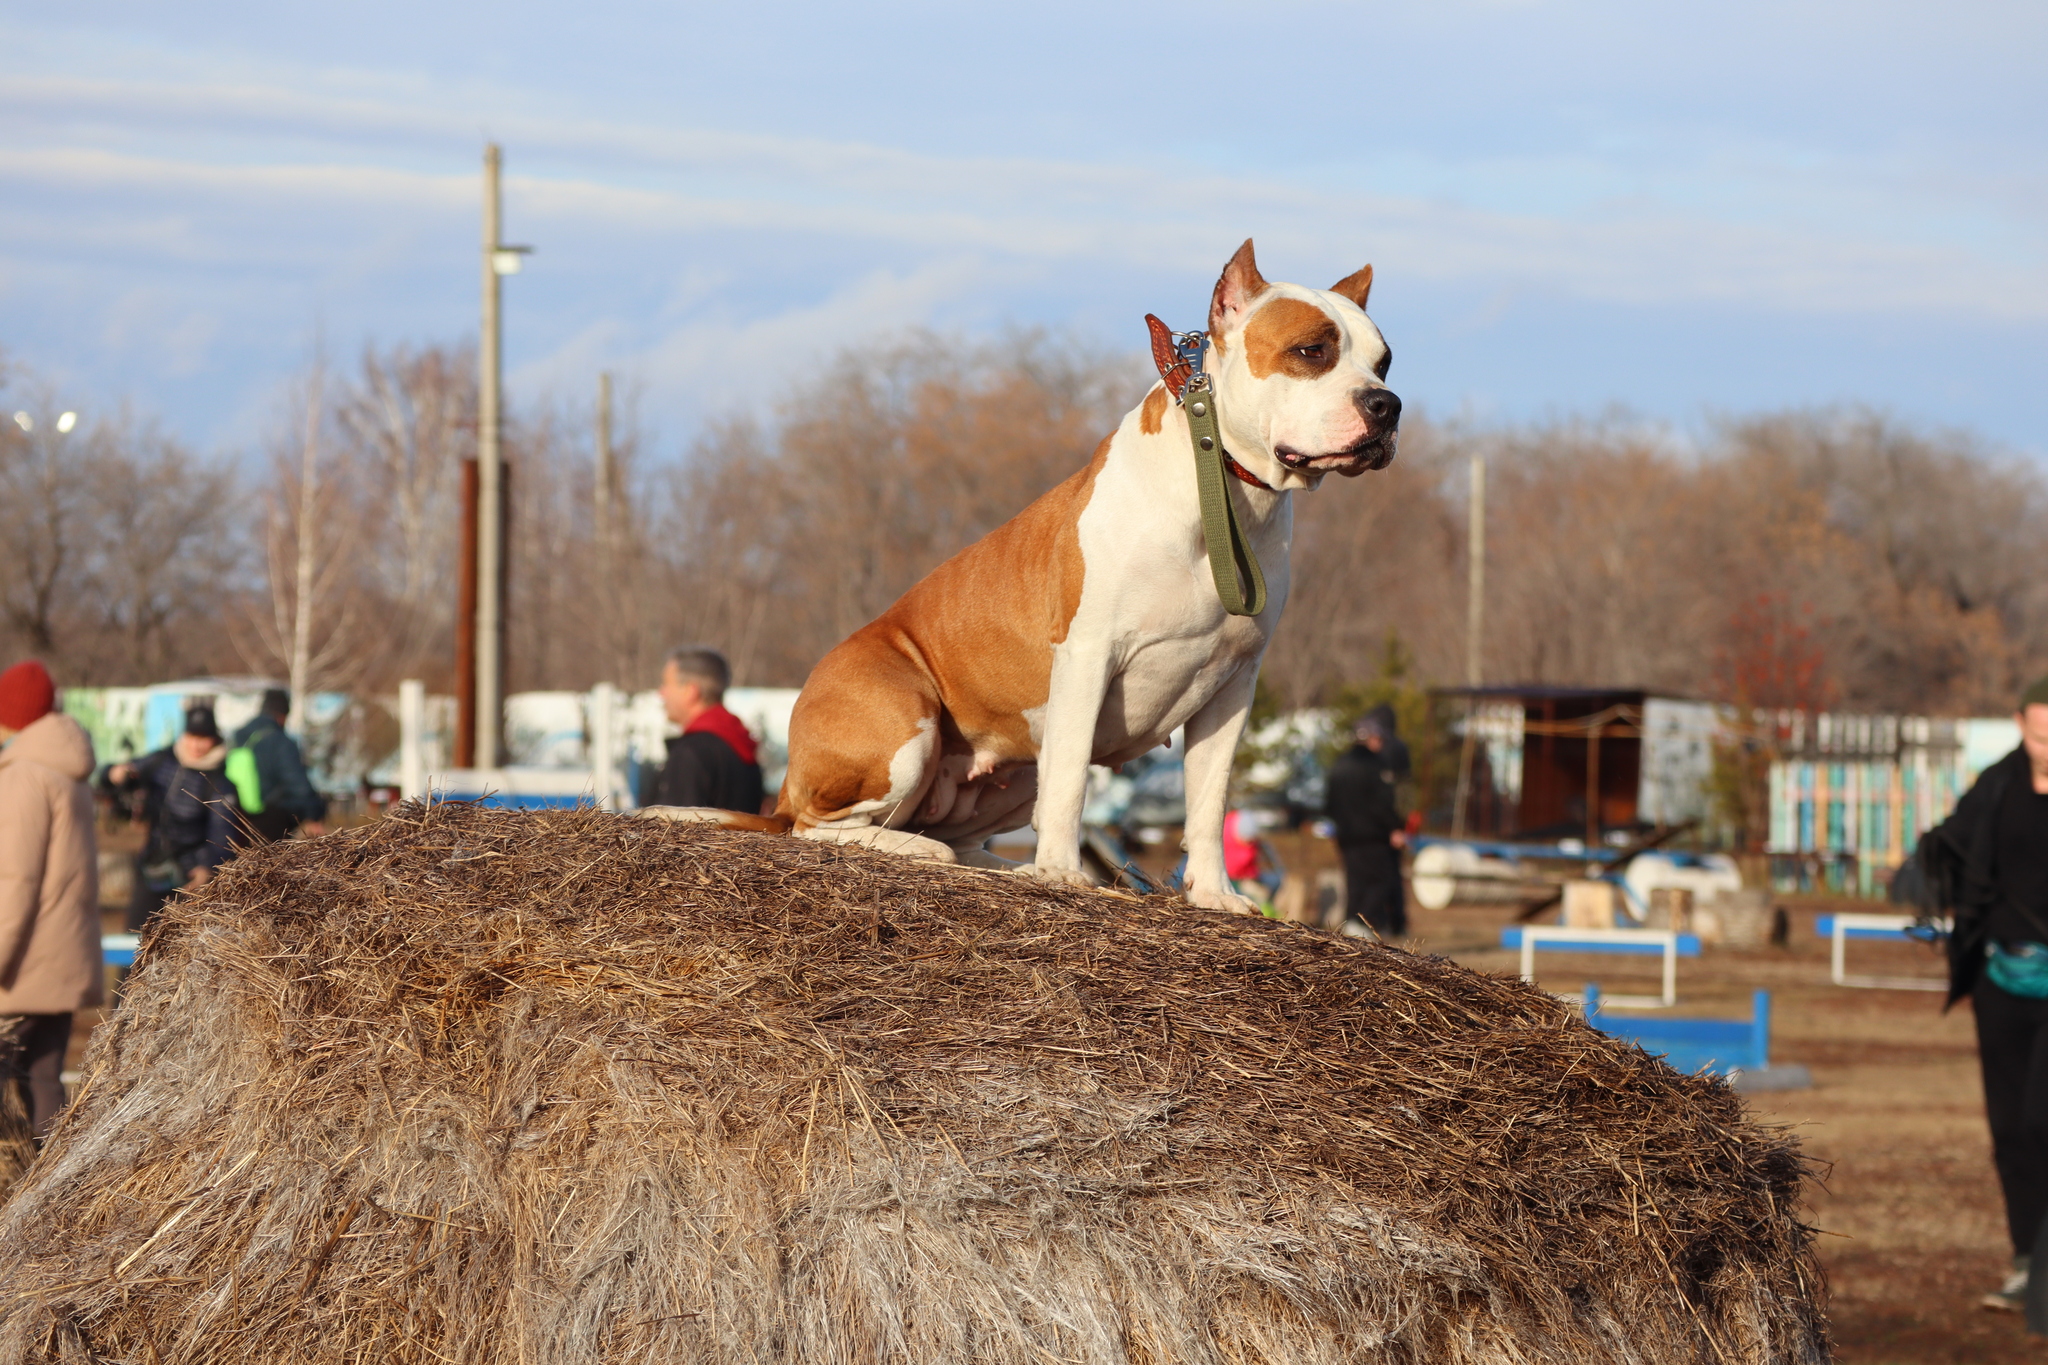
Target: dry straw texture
479	1087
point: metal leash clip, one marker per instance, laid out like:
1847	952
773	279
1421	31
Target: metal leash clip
1189	347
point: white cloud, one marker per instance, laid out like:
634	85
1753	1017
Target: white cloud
1638	254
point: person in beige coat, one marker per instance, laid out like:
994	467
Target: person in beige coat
49	889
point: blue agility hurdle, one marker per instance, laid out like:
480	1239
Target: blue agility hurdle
1739	1049
1690	1045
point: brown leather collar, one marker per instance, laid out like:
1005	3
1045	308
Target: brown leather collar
1174	372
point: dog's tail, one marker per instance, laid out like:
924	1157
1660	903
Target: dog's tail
724	819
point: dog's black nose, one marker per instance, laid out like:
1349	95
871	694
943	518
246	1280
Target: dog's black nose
1382	407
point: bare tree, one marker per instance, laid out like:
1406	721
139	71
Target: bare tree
116	553
312	620
1806	558
779	541
167	556
404	428
44	510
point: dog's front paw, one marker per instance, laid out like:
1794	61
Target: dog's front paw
1227	901
1058	876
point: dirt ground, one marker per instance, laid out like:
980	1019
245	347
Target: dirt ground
1913	1229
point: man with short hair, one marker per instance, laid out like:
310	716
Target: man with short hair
1989	861
49	889
712	763
284	798
1360	800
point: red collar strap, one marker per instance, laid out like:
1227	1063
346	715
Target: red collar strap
1254	480
1174	372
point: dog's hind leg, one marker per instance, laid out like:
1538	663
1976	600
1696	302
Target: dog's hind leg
900	841
864	750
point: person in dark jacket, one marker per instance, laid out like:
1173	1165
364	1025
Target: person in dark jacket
188	806
712	763
287	798
1361	801
1989	863
1393	749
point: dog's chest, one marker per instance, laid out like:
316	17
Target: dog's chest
1164	679
1169	644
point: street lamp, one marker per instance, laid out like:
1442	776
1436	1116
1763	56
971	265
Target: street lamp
65	421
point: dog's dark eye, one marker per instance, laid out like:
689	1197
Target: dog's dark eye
1315	352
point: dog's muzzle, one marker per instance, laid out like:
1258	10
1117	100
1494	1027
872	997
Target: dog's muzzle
1381	409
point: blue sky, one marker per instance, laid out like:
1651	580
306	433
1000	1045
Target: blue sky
1684	209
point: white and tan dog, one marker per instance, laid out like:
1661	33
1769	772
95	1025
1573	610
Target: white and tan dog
1088	628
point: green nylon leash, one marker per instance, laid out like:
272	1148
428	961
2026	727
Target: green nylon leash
1230	551
1179	358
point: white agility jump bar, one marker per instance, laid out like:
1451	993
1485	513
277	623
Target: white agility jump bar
1663	941
1848	926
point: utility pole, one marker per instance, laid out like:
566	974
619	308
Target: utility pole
484	657
602	501
603	526
1475	600
1475	573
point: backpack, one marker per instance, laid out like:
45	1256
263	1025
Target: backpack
241	771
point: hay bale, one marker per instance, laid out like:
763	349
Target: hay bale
17	1138
487	1087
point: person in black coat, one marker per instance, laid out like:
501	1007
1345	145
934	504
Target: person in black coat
1393	749
1361	801
289	799
189	808
713	762
1988	862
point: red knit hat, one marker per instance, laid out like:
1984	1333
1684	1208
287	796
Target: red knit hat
26	695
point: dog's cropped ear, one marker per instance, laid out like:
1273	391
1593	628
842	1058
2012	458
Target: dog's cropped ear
1355	286
1239	284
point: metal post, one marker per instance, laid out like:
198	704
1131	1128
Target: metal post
604	720
603	606
488	715
412	725
1593	788
464	755
1760	1028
